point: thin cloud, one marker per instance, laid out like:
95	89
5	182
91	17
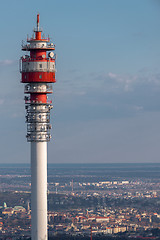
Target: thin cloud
112	82
138	108
6	62
113	94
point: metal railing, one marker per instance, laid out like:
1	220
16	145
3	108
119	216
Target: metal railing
32	88
28	46
31	137
37	102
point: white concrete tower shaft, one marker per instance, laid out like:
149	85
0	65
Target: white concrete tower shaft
38	74
39	190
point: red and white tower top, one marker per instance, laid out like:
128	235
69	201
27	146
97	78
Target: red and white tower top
38	67
38	72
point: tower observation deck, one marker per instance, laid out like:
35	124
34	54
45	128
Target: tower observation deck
38	73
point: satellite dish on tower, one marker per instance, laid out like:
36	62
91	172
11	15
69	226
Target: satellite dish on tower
51	54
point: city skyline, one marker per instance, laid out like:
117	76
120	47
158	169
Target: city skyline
106	99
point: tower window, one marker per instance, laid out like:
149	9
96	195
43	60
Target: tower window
40	76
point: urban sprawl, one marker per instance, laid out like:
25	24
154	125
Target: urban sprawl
85	208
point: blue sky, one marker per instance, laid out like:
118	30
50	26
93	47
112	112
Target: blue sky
107	95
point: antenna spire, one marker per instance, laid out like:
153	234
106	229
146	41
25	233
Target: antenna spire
38	22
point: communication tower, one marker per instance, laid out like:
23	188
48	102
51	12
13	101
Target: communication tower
38	73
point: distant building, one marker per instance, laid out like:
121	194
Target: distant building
5	205
8	211
19	209
102	219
